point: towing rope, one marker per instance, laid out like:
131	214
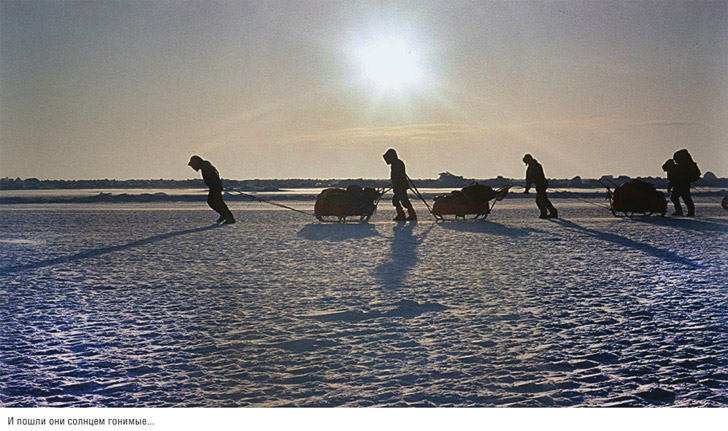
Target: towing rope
258	198
702	190
605	206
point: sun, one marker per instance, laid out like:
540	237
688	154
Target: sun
390	64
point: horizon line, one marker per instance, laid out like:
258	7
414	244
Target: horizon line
499	177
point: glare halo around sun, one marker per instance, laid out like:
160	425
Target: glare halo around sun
389	64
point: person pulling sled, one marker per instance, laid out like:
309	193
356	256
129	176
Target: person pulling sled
400	184
214	198
535	176
680	173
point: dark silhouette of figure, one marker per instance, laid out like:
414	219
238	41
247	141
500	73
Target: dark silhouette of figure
671	169
212	180
400	184
684	172
536	177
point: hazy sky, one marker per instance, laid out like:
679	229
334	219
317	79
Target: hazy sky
321	89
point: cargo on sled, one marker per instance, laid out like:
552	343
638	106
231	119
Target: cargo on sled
473	201
636	197
354	201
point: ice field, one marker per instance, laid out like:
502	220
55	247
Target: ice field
151	305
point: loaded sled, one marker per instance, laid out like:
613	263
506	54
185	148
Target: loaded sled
354	201
471	202
636	197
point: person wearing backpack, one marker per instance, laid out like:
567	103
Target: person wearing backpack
685	172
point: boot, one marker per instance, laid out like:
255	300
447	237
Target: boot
553	213
400	215
691	209
678	212
411	215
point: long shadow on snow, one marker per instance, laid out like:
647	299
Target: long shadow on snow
337	231
402	257
101	251
391	273
487	227
685	224
626	242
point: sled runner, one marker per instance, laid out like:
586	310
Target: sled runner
354	201
471	202
636	197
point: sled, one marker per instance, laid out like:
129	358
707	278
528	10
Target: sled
336	205
471	202
636	197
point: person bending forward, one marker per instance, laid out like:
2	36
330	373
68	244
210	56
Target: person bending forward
212	180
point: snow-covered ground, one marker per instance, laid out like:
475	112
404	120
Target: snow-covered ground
151	305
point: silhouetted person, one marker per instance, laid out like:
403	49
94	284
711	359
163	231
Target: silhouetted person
685	171
671	169
400	184
212	180
536	177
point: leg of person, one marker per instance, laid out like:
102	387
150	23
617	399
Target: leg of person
397	202
411	214
541	194
689	204
229	219
541	203
404	199
675	199
552	210
212	198
218	204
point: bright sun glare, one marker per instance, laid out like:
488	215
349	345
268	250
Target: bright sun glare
390	64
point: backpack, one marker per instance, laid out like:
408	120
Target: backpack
694	172
686	165
682	156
